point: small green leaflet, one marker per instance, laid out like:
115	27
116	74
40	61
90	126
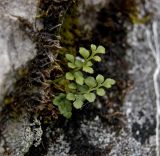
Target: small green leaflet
89	64
70	57
78	103
71	65
88	69
65	108
72	86
70	96
100	92
83	88
90	97
79	77
78	63
90	81
84	52
97	58
100	50
69	76
93	47
108	83
58	99
100	78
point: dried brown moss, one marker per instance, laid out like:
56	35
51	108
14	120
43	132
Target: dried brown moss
33	90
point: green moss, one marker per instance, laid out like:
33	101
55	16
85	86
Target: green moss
8	100
70	32
130	6
136	20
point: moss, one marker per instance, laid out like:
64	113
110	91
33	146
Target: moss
130	9
137	20
33	90
8	100
70	32
22	71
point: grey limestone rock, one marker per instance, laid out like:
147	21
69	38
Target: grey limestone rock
19	135
15	46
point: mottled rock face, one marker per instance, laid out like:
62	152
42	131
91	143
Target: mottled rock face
15	46
16	49
19	135
140	103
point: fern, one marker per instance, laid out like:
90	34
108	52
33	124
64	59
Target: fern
82	87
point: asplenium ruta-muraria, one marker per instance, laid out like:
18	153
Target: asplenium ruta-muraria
80	86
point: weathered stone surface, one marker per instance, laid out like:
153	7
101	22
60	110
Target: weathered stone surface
19	135
15	46
140	103
99	138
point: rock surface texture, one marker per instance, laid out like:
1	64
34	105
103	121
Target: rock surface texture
140	103
15	46
16	49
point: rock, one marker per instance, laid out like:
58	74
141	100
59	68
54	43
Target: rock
16	48
128	146
20	135
140	103
2	150
60	147
93	138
